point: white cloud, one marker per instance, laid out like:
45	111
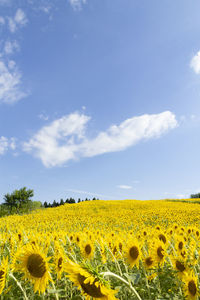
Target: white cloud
77	4
10	47
65	138
10	83
18	20
46	9
130	132
20	17
195	63
43	117
6	144
3	145
13	143
124	187
45	144
12	25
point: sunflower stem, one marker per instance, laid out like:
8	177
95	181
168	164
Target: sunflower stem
123	280
19	285
147	283
116	262
56	293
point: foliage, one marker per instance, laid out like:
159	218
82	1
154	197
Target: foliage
19	201
62	202
195	195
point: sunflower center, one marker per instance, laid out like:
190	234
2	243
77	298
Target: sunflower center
36	265
88	249
90	289
180	245
60	260
1	274
134	252
160	252
180	266
162	238
192	287
120	246
115	250
149	261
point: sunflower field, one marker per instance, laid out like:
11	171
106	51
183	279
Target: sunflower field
102	250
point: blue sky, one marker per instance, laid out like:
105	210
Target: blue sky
100	98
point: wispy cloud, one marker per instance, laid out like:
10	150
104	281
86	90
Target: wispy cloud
6	144
19	20
43	117
11	89
11	46
175	195
65	138
2	20
195	63
10	83
102	196
124	187
77	4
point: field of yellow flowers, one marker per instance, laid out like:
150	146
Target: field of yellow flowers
102	250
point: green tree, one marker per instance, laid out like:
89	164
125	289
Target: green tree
10	201
23	196
54	204
61	202
195	195
18	199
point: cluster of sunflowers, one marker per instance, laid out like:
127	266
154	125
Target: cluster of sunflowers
102	250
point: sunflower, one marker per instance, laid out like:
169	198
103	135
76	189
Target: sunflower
34	264
159	250
133	253
180	244
71	237
88	284
148	262
59	259
191	286
179	264
162	237
170	231
3	273
87	249
78	238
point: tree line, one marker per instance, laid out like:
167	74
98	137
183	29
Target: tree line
67	201
195	195
19	201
